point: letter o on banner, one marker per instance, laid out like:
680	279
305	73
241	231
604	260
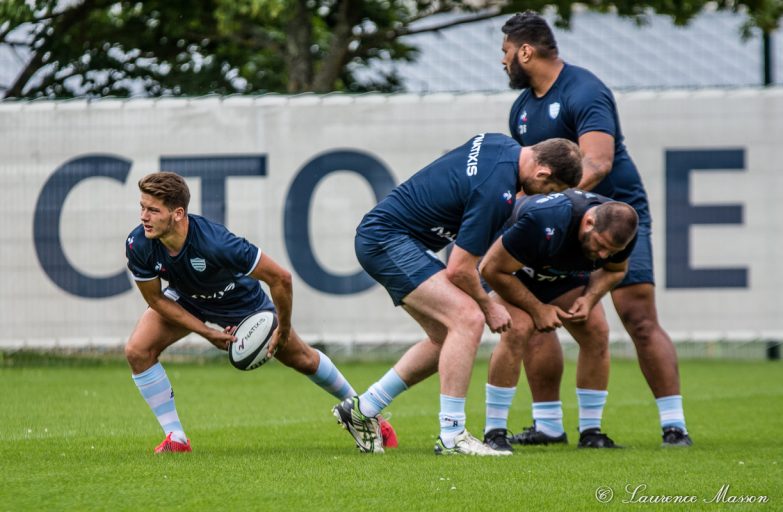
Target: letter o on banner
297	216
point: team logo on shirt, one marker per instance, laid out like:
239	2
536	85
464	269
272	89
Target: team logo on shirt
554	109
522	129
549	233
130	243
508	196
198	264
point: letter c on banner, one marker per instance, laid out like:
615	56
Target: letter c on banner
46	226
297	216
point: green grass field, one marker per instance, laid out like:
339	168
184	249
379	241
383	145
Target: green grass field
81	438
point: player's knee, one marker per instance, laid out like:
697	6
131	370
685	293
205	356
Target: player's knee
600	336
596	348
517	338
299	356
641	329
523	330
469	319
306	361
514	347
139	358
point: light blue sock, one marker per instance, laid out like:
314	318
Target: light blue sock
155	387
548	418
380	394
328	377
591	407
670	412
452	418
498	404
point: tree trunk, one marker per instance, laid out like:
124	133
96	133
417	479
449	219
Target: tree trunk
337	56
16	90
298	41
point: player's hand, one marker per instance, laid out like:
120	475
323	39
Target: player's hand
279	338
497	317
580	309
548	318
221	339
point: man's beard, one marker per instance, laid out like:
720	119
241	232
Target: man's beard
518	78
167	230
530	187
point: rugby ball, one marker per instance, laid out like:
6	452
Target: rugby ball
250	350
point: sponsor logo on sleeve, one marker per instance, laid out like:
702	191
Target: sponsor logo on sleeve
472	167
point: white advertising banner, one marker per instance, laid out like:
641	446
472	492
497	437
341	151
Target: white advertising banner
294	175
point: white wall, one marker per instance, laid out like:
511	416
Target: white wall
404	133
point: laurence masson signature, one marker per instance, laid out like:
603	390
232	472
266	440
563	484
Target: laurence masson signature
638	493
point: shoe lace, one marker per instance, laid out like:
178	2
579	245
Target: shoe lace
468	441
499	434
365	427
528	431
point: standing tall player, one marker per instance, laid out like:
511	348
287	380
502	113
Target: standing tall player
561	100
464	197
213	275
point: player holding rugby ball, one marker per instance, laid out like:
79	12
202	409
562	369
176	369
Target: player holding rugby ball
213	275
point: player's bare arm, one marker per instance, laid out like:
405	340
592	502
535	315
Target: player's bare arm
498	268
598	155
462	271
281	290
173	312
601	282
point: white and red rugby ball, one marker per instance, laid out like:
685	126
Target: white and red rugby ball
251	348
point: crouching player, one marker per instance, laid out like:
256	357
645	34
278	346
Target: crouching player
550	269
213	276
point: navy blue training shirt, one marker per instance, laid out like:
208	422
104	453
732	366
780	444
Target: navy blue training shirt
210	271
465	196
577	103
545	236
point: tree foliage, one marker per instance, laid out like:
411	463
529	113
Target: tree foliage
176	47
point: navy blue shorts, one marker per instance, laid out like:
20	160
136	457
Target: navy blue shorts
222	319
399	262
640	264
547	291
